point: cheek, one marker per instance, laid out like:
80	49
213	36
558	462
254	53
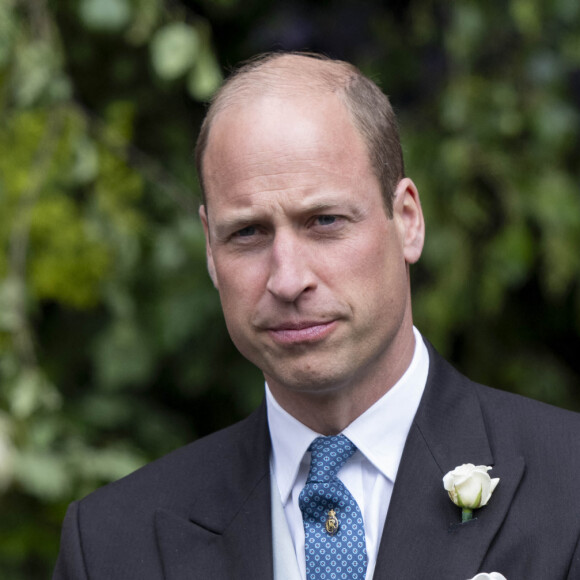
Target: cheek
378	267
240	286
378	291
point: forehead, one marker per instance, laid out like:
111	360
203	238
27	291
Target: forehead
275	135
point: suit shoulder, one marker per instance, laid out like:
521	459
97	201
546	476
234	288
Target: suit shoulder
522	408
515	412
531	428
515	425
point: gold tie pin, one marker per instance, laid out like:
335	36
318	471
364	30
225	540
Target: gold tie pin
331	523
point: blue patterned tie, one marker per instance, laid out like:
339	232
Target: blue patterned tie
333	524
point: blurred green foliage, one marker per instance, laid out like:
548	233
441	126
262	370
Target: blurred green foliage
112	343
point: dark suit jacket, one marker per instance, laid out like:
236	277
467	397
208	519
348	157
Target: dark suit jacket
203	512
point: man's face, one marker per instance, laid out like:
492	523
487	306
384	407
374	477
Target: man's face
311	272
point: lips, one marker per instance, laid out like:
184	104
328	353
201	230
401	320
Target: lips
290	333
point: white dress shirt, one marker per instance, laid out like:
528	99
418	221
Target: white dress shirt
379	435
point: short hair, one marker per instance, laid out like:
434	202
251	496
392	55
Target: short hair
311	73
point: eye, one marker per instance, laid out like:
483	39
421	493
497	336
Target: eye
246	232
325	220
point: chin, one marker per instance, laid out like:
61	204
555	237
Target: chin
315	383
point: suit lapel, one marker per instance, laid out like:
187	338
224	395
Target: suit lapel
227	532
423	536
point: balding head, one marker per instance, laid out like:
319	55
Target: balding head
310	75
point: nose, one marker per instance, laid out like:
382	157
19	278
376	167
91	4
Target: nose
290	273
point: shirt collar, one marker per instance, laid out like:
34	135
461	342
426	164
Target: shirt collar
379	433
290	441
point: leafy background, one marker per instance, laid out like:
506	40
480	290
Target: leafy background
113	347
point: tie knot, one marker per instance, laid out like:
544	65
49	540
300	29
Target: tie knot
329	454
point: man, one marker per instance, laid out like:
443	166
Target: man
311	226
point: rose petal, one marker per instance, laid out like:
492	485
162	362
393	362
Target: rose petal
469	486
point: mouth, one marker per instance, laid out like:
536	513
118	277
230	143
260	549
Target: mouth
303	332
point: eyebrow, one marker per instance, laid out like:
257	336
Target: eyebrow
247	216
229	225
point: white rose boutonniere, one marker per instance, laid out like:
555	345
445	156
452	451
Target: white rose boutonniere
492	576
469	487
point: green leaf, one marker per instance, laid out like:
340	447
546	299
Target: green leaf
31	391
174	49
107	464
44	475
7	452
85	161
145	17
37	67
8	29
205	78
105	15
527	16
123	356
11	291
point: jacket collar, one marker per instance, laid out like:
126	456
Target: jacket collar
423	530
229	521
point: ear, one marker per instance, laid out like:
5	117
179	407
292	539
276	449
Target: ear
210	263
408	215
